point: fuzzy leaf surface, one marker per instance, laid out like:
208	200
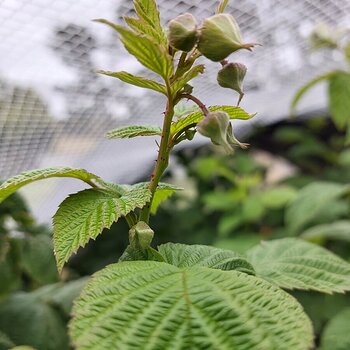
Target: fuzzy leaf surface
27	177
136	80
153	305
150	54
336	335
83	216
310	201
295	264
193	118
183	255
134	131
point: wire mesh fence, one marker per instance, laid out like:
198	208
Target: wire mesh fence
54	108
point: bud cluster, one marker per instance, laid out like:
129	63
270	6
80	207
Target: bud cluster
216	38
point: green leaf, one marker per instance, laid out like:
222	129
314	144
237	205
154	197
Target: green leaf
339	99
336	335
163	192
133	131
136	80
310	202
193	118
27	177
295	264
183	255
83	216
38	260
145	50
145	28
27	320
305	88
180	82
5	342
147	10
338	230
153	305
277	197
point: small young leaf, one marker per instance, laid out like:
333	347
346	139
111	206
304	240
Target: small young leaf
338	230
168	307
222	6
183	255
143	27
136	80
339	101
83	216
145	50
305	88
180	82
336	335
27	177
310	201
147	10
195	117
295	264
133	131
163	192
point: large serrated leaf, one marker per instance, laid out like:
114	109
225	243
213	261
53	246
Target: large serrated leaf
153	305
83	216
295	264
183	255
145	50
310	201
18	181
193	118
339	101
134	131
136	80
180	82
336	335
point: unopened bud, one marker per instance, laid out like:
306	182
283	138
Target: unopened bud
182	33
219	37
217	126
231	76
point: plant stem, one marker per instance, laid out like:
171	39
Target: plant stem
163	155
198	102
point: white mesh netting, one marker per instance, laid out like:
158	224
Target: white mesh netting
54	110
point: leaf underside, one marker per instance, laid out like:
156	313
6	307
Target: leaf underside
153	305
18	181
83	216
134	131
295	264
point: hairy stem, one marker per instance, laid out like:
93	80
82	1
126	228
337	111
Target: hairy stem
163	155
198	102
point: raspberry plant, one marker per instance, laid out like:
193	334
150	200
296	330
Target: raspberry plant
180	296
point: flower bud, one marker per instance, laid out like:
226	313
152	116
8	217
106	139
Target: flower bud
219	37
140	235
182	32
217	126
231	76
